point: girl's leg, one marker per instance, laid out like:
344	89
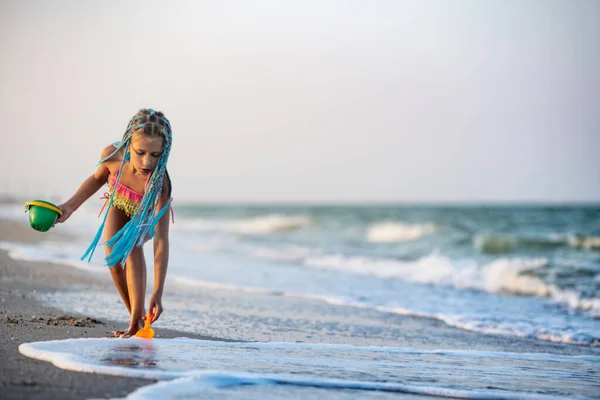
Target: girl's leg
135	268
114	222
119	277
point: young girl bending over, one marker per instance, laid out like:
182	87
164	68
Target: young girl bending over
138	200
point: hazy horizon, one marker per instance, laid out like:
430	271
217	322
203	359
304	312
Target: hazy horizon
314	102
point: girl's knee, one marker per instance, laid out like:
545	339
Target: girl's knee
136	258
116	270
137	252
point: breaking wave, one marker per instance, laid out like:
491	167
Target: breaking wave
390	231
504	275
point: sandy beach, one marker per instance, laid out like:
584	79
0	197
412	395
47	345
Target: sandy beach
25	319
226	316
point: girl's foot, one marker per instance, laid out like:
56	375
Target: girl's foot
131	331
118	333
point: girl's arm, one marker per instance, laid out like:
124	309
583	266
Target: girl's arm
87	188
161	256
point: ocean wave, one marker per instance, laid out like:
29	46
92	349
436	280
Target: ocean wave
505	275
516	276
573	300
513	276
392	231
498	243
271	223
433	269
584	242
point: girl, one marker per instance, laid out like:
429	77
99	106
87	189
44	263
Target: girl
138	199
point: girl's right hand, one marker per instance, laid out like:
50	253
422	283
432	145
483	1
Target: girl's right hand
66	213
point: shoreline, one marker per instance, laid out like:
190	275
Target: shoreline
26	319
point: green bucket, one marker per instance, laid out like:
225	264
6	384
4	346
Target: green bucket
42	214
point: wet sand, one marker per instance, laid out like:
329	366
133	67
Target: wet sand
25	319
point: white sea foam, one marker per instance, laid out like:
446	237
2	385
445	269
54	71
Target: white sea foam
574	300
192	368
508	275
271	223
393	231
430	269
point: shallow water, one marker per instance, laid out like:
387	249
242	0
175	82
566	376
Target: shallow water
197	368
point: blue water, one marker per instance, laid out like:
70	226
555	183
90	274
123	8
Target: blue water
524	271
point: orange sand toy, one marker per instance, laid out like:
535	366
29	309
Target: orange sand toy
146	332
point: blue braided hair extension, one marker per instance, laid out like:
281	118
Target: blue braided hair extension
143	223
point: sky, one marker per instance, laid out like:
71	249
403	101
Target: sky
310	101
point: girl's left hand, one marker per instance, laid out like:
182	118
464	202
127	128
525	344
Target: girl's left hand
66	213
155	306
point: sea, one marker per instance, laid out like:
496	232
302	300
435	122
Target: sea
512	271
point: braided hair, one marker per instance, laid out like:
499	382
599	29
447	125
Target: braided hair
143	221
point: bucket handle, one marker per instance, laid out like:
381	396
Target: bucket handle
29	204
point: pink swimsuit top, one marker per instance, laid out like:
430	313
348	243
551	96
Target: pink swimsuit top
126	199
